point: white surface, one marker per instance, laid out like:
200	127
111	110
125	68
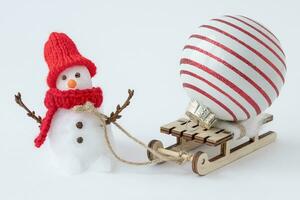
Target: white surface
237	98
137	45
71	157
83	82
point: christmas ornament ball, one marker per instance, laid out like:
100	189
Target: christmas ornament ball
233	65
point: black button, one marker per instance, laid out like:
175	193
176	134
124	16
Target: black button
79	125
79	140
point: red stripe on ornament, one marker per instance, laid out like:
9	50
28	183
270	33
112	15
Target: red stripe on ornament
248	47
243	59
253	37
216	88
259	31
224	80
244	76
260	25
190	86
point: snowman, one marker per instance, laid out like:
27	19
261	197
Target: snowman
76	139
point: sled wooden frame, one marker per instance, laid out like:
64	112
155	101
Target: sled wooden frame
190	136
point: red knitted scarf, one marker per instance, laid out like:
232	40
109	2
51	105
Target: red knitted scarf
65	99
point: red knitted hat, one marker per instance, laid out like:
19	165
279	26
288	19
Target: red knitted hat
60	53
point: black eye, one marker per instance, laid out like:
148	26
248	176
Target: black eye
64	77
77	75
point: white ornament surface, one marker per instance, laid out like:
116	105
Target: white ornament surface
234	66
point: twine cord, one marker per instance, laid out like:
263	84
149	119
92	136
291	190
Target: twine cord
89	107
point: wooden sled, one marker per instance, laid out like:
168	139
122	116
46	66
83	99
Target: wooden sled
190	136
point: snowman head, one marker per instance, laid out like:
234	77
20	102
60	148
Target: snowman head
68	69
77	77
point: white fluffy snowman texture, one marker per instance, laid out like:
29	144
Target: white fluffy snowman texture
77	140
77	77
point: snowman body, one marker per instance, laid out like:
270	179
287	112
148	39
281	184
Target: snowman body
77	140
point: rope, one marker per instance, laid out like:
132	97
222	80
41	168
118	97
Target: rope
89	107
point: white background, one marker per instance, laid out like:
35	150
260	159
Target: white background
137	44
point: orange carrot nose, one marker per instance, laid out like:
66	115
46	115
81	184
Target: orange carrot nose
71	83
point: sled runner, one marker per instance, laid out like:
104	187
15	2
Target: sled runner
190	136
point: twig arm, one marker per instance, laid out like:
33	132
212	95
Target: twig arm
114	116
18	99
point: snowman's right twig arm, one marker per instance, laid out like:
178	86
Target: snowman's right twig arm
18	99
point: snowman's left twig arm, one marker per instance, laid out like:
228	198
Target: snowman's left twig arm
114	116
18	99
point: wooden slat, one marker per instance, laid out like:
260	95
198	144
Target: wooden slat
189	135
219	138
204	134
192	129
193	132
178	130
168	127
